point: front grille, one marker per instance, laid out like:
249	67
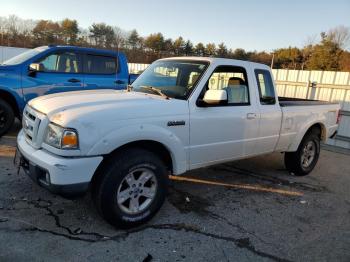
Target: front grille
30	116
31	123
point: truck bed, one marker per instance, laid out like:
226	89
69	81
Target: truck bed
290	101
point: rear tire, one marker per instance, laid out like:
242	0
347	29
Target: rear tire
130	188
7	117
303	161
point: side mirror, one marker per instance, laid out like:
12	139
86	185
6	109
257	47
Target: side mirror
35	67
214	97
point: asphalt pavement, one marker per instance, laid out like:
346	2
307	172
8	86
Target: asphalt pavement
249	210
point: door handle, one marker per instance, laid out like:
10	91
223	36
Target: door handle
252	116
73	80
119	82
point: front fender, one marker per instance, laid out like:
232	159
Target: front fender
17	96
134	133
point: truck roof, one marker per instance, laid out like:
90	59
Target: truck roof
84	49
219	61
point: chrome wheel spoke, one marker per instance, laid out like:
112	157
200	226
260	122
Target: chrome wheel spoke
130	179
148	192
309	146
145	176
123	196
134	204
136	195
308	155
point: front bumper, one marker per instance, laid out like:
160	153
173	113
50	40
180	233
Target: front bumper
61	175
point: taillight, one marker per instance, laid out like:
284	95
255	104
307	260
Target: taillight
338	116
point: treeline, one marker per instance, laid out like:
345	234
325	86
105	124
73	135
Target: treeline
327	54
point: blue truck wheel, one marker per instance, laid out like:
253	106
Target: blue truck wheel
7	117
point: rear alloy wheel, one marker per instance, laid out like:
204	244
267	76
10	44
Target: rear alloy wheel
303	161
308	154
7	117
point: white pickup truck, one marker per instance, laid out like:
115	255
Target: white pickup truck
179	115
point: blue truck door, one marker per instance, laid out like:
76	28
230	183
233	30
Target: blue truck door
61	71
101	72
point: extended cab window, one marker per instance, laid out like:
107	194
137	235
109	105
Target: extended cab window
102	65
232	79
61	62
265	85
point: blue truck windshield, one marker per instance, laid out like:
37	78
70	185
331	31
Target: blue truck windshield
24	56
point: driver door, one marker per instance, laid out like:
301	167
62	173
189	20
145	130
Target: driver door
61	72
224	132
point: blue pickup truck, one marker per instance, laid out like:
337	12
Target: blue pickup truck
53	69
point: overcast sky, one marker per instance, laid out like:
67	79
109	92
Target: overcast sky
248	24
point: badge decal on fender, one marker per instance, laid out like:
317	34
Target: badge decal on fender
177	123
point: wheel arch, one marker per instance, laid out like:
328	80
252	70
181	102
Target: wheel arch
11	99
317	127
155	147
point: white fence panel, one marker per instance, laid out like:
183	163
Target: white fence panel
135	68
329	86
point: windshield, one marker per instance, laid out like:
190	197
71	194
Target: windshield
24	56
172	78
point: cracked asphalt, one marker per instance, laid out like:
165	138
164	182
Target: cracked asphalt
249	210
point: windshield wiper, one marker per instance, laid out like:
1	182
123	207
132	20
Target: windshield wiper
155	90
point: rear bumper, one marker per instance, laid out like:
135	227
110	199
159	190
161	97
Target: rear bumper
332	131
60	175
334	134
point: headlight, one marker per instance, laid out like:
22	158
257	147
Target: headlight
61	138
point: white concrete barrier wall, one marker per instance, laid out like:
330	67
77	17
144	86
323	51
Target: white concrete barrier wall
9	52
330	86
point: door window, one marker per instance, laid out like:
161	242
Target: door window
232	79
61	62
265	85
102	65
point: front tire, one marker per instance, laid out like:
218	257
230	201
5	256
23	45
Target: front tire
303	161
131	187
7	117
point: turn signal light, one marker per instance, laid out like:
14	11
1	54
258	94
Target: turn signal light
70	140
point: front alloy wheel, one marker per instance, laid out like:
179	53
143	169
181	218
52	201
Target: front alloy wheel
137	191
130	187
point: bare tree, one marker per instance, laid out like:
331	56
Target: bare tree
340	35
119	37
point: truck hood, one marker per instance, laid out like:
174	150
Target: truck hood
104	105
6	68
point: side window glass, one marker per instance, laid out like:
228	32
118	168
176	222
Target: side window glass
232	79
193	78
103	65
265	85
65	62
